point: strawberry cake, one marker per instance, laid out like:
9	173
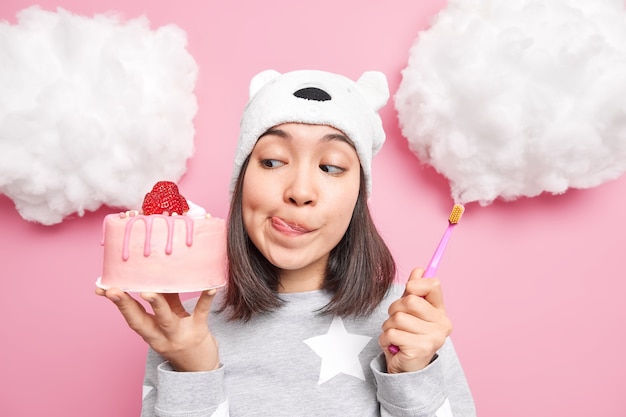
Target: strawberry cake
172	245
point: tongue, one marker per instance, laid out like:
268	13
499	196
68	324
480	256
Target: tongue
281	224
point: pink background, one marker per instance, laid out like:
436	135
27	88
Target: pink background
533	287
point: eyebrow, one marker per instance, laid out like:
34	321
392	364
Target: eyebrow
326	138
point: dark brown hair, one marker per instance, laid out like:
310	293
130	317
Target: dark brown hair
360	268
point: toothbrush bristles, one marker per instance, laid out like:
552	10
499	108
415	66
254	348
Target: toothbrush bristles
457	212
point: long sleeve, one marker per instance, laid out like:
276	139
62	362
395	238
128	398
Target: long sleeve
168	393
439	390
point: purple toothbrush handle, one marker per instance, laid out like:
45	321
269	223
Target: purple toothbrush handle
431	270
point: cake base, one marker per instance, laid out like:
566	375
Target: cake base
159	290
166	254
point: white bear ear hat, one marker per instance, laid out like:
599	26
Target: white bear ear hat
316	97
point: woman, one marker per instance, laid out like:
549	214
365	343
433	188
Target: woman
305	323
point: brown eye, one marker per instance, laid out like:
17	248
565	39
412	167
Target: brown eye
271	163
331	169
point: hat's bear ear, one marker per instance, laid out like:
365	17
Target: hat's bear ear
260	80
373	85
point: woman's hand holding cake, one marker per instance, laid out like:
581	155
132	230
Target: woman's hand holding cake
181	338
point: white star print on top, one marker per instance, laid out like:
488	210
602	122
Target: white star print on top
445	410
146	390
339	351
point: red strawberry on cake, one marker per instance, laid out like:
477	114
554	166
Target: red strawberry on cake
166	248
164	198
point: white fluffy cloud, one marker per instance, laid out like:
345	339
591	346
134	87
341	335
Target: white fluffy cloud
519	97
92	111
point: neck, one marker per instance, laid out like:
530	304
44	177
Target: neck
301	280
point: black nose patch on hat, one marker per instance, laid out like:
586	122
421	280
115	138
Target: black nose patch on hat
312	93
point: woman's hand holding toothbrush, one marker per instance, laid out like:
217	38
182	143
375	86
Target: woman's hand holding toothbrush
417	325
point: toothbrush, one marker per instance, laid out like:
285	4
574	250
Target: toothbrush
453	220
431	270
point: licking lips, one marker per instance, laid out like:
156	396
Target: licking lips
291	229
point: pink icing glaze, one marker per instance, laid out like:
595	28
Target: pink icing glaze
148	221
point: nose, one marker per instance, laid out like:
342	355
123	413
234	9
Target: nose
302	188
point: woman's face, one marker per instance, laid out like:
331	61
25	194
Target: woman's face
299	192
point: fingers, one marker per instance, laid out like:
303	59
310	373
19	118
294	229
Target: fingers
132	311
167	307
203	306
176	306
425	337
403	323
113	294
416	274
414	305
418	324
421	304
428	288
183	339
146	325
418	330
164	315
